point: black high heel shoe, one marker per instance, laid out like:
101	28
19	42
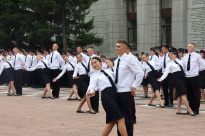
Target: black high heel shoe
192	114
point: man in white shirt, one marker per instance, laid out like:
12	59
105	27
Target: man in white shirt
27	74
80	51
46	55
19	63
128	76
55	61
94	100
167	83
33	73
191	63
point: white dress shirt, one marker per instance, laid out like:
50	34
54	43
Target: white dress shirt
91	68
202	67
156	59
72	59
33	60
28	61
5	65
56	60
195	63
166	62
171	68
130	74
19	61
104	65
137	60
39	65
62	65
47	57
147	68
85	58
79	69
1	61
67	67
98	81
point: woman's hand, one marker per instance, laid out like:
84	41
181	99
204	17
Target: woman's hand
76	77
90	94
159	80
55	79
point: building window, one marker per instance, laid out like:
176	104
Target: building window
132	23
132	6
132	32
166	4
166	31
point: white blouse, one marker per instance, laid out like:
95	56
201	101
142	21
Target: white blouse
147	68
40	64
98	81
171	68
67	67
5	65
80	69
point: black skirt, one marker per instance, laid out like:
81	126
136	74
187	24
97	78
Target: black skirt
70	78
144	81
83	83
10	74
110	105
46	75
179	83
202	79
152	79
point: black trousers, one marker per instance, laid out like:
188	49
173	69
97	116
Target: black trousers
168	83
126	101
18	76
63	79
193	93
27	77
55	85
39	77
95	101
34	78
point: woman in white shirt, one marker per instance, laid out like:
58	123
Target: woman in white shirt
175	67
110	64
103	81
70	68
202	77
83	80
9	71
152	74
46	74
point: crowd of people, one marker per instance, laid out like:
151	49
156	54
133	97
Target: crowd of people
172	73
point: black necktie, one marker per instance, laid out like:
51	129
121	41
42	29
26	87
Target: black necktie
15	60
165	61
25	58
188	63
52	57
85	68
112	69
44	64
71	65
9	64
116	77
150	66
179	66
151	58
89	65
32	61
110	79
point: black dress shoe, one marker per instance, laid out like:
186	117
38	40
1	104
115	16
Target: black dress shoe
196	112
151	105
162	106
170	105
144	96
94	112
80	111
166	104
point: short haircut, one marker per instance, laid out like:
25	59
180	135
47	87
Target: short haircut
90	47
102	56
16	48
192	44
79	46
152	49
56	44
123	42
166	47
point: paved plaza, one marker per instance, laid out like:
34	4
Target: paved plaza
29	115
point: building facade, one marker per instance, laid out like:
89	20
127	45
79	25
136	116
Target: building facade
149	23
